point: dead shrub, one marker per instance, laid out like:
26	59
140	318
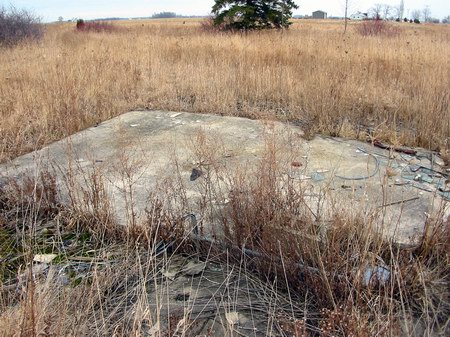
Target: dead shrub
18	25
95	26
377	28
38	193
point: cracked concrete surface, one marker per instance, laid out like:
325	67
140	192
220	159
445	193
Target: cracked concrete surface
140	151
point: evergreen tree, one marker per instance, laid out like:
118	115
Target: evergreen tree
253	14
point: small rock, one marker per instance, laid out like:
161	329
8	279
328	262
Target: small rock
379	274
214	267
63	279
182	297
195	174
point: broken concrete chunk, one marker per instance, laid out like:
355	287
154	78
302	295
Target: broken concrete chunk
426	178
444	186
438	161
44	258
414	168
428	171
170	274
232	317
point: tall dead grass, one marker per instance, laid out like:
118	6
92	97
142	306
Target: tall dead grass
312	74
322	272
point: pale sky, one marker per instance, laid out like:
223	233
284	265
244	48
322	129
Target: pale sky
50	10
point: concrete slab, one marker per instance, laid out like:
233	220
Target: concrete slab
143	151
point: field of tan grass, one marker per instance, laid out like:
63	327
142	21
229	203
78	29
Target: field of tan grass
312	75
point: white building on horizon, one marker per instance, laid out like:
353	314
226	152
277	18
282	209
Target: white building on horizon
358	16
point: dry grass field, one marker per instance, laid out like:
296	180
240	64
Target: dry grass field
312	75
300	276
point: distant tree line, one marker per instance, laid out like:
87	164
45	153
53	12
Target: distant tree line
164	15
387	12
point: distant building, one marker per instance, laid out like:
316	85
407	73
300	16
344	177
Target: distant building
359	16
319	15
